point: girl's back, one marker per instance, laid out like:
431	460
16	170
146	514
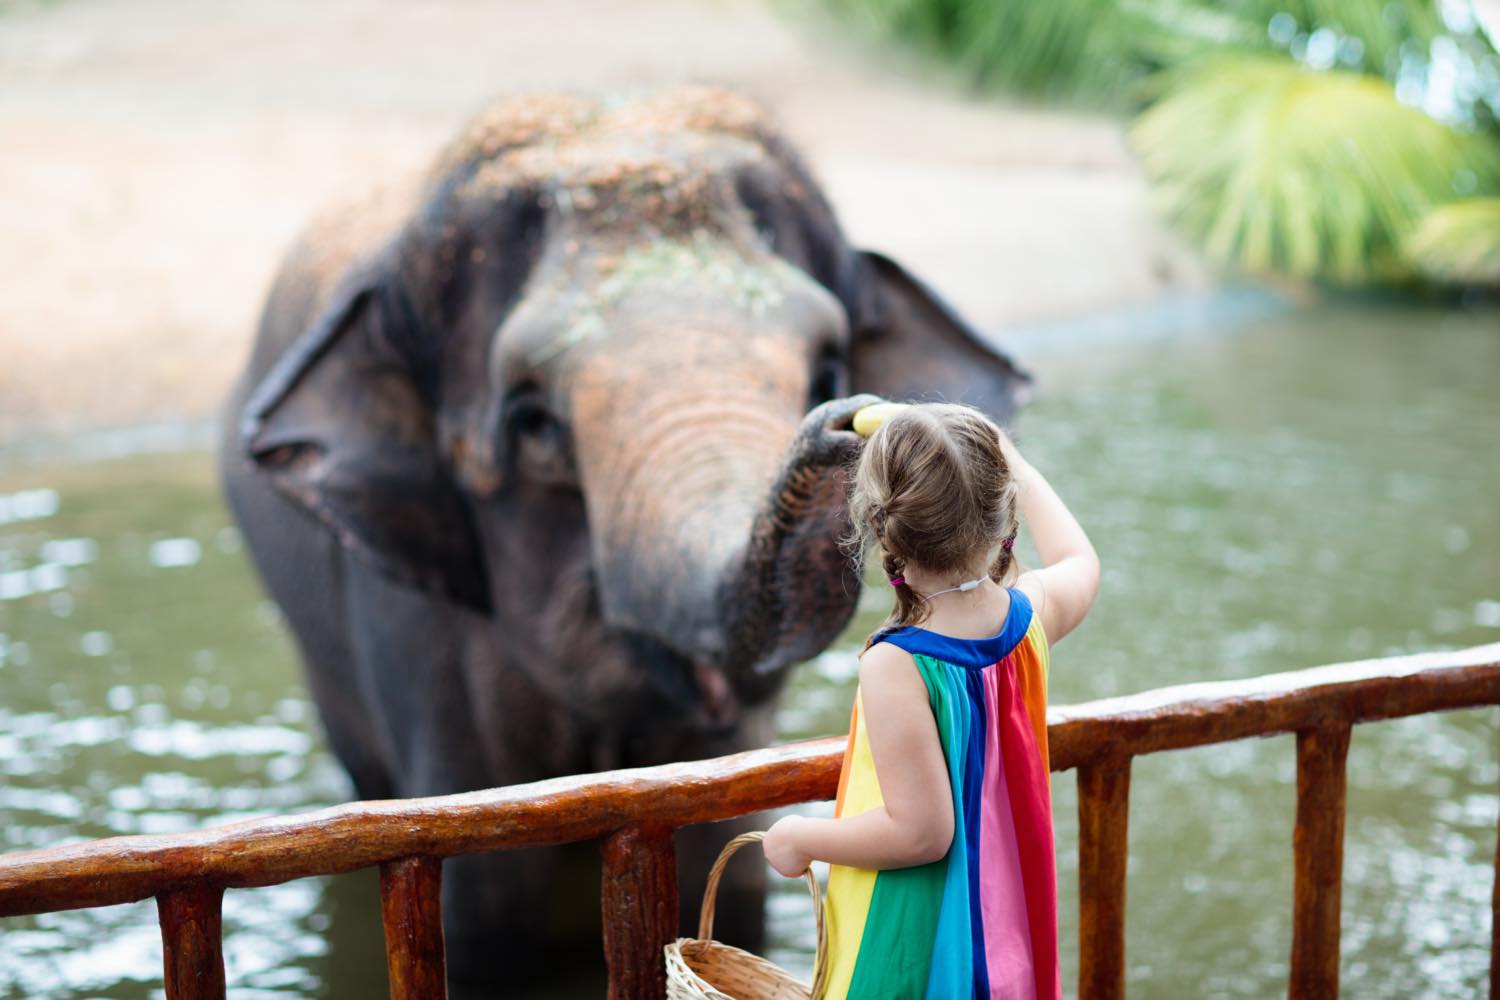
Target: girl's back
943	882
983	920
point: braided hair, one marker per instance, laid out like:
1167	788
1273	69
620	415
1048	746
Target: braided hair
932	488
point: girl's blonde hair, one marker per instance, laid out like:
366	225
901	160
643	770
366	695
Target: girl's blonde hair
932	488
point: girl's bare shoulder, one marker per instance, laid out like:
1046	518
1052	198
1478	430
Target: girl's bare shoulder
885	662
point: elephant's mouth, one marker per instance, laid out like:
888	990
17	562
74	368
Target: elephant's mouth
698	690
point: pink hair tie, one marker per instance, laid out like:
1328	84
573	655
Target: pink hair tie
1008	543
897	581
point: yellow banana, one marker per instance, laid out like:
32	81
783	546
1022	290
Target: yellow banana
868	418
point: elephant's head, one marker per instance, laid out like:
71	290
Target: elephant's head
598	385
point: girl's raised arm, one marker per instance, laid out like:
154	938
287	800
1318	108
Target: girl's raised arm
1063	589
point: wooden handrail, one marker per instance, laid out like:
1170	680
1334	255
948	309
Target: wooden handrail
582	807
1191	715
362	834
636	810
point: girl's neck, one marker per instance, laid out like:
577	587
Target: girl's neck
975	613
926	582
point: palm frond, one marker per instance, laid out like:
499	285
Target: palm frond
1275	169
1101	52
1458	244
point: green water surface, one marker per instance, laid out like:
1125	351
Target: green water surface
1268	489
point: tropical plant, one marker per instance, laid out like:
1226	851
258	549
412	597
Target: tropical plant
1282	136
1281	170
1458	244
1068	50
1372	36
1096	52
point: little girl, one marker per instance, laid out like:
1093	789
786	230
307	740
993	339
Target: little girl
943	883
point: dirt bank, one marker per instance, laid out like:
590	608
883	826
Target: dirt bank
156	156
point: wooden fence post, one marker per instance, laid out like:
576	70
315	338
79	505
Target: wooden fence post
1103	849
411	907
640	909
1318	856
192	943
1495	924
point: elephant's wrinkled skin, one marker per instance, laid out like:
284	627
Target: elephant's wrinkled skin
541	459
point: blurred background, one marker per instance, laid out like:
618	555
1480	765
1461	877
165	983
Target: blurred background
1250	249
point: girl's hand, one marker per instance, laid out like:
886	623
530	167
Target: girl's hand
782	850
1013	458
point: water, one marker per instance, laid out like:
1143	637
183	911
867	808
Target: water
149	688
1267	488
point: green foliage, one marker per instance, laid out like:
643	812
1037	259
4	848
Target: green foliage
1054	49
1458	244
1382	28
1273	135
1281	170
1100	52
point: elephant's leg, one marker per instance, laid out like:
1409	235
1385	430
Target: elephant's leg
740	913
518	919
301	565
514	918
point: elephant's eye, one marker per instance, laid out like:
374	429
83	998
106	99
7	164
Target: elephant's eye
828	380
529	418
536	439
762	214
526	410
765	228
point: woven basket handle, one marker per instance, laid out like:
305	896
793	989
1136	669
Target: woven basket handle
711	893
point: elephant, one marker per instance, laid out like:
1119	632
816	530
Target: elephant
542	453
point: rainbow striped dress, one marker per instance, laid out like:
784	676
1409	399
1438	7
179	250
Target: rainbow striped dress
981	922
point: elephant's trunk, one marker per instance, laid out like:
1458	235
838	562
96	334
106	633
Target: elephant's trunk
671	502
715	516
796	587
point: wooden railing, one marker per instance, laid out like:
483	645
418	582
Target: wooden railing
635	812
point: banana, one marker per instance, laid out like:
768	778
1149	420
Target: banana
868	418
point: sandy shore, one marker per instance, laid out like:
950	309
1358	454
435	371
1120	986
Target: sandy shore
156	156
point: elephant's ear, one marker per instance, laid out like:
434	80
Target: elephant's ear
910	344
340	424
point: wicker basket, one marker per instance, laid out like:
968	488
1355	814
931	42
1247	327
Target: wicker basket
703	969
